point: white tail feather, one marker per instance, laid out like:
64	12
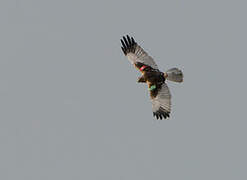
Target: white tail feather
174	74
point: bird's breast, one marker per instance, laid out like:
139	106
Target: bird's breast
154	77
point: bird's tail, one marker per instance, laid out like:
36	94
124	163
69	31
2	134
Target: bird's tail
174	74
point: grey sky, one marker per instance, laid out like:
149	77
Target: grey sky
71	107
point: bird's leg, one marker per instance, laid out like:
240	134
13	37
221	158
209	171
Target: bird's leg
141	79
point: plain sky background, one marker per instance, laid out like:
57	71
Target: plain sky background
71	107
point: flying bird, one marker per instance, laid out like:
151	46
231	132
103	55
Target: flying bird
155	79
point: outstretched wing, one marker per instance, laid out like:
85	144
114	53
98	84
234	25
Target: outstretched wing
135	53
161	103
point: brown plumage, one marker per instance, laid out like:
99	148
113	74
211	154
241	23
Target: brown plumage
155	79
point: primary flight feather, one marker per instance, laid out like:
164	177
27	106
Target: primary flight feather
155	79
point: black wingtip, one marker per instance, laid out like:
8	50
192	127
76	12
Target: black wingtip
133	41
128	44
161	113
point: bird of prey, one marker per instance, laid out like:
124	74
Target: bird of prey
159	92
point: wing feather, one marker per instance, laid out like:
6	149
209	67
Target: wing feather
161	104
135	53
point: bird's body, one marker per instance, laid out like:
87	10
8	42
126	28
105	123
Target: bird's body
155	79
